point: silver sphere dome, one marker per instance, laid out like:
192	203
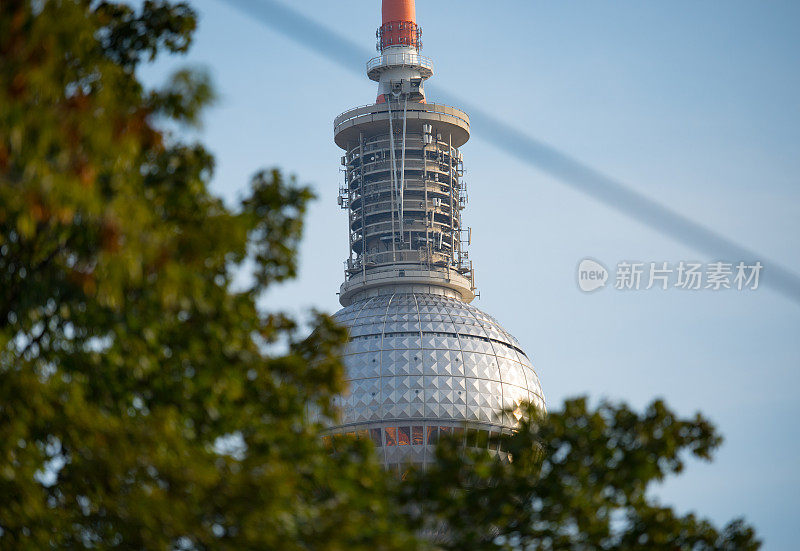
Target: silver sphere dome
419	364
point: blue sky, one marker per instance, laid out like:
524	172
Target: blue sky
696	104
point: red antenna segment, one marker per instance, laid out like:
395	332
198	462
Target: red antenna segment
399	27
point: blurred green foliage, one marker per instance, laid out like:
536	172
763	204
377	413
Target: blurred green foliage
578	480
146	403
125	353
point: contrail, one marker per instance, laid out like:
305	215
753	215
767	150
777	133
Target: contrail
605	189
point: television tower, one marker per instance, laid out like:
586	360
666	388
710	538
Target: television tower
421	360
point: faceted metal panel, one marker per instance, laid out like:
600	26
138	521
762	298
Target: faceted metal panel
428	360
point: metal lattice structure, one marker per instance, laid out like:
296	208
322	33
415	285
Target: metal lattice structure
421	360
404	193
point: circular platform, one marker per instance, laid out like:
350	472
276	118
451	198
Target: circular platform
374	119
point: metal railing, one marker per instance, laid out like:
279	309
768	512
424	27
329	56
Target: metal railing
411	163
400	59
380	108
438	188
376	229
413	255
408	204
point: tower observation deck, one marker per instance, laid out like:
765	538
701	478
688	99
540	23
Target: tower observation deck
421	359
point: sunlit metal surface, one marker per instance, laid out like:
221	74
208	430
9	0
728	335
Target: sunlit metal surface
403	59
419	360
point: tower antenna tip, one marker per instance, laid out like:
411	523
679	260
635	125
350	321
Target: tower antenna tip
399	10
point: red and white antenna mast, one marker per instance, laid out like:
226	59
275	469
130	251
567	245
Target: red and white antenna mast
399	42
